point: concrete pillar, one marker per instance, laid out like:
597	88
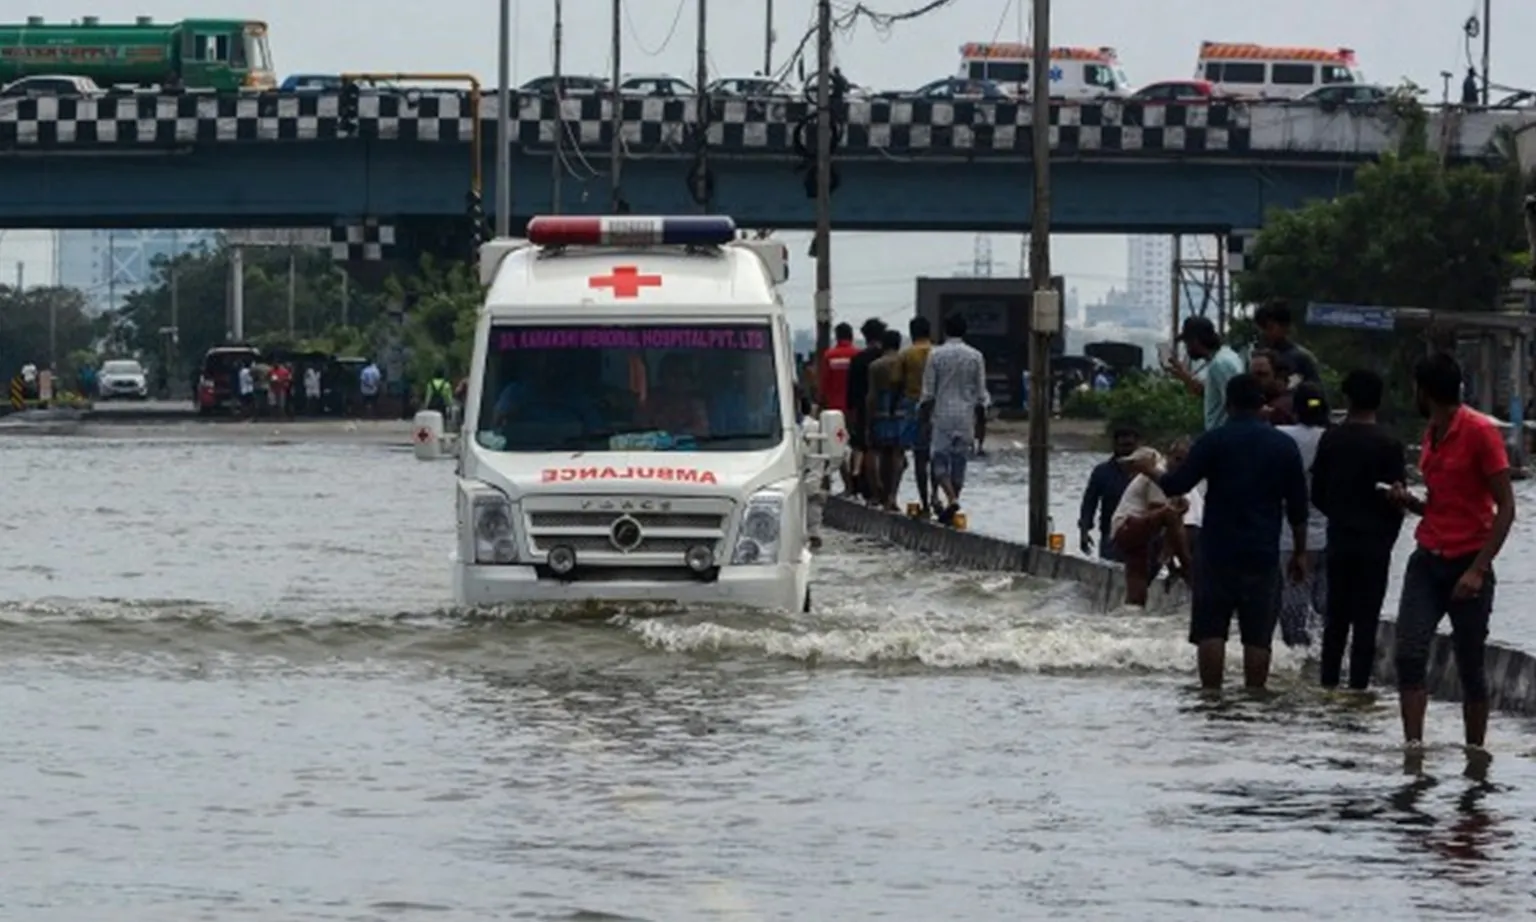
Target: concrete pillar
237	294
1517	392
1485	364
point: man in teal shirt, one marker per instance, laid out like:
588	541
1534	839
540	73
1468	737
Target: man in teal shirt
1222	364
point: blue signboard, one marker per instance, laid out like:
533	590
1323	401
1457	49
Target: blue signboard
1352	316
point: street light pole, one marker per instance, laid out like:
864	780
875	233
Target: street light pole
1045	313
504	124
616	117
1487	45
556	163
768	41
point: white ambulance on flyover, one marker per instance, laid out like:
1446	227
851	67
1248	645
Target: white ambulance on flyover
630	431
1274	71
1077	73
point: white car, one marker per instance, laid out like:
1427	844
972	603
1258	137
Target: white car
122	378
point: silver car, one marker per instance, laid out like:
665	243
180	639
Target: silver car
122	378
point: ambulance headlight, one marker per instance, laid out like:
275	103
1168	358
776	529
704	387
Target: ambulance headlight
758	540
495	535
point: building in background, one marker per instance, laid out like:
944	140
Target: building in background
109	264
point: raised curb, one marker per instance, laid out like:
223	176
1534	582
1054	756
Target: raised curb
1511	672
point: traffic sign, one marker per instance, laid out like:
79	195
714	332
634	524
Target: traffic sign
1352	316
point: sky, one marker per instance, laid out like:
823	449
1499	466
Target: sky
872	273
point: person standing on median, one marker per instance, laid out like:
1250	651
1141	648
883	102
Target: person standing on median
1201	340
1465	517
1363	524
832	386
858	409
954	389
1253	473
1106	484
914	360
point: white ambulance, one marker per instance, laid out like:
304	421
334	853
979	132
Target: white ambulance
630	431
1273	72
1076	73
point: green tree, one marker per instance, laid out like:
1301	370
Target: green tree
1413	233
442	303
25	318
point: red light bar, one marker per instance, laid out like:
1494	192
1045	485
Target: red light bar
628	230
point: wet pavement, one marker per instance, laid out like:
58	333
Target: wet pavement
232	688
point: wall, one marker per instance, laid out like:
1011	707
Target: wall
1511	673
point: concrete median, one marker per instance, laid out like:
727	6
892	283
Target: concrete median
1511	672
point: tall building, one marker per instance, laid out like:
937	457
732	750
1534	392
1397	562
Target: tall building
1149	269
109	264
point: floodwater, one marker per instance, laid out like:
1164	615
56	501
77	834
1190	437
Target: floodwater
230	688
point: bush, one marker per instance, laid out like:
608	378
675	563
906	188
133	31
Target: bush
1157	406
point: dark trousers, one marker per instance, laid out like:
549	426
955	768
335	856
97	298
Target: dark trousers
1357	585
1427	597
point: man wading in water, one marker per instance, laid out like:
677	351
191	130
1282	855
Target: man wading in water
1251	472
1466	514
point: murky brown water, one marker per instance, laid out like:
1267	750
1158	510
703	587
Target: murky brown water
230	688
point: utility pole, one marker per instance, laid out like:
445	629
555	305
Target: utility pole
616	117
768	41
1487	45
823	237
503	128
557	157
701	110
1046	312
346	295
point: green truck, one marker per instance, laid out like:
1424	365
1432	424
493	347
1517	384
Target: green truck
194	54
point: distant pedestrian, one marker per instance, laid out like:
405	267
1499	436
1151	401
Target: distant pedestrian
1275	325
1222	364
312	391
1304	605
1106	484
954	393
858	410
1252	474
281	384
368	383
1363	525
245	384
1466	514
261	378
884	406
914	362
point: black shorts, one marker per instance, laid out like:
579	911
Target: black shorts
1251	593
858	438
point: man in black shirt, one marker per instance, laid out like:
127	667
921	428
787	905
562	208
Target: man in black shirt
1274	322
1363	524
1106	485
858	413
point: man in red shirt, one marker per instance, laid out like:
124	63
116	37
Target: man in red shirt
832	380
1466	512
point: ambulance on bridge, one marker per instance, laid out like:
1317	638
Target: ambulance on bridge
630	431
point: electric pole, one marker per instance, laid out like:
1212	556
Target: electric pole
616	117
768	41
701	111
503	124
1045	312
823	176
293	292
557	156
1487	45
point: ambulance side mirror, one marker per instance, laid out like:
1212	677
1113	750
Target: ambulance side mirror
834	436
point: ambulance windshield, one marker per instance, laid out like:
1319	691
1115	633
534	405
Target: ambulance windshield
698	387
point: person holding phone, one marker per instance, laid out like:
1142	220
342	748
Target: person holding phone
1354	460
1464	518
1222	364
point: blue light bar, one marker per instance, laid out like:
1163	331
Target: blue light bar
630	230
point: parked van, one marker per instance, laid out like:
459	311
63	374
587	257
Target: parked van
1076	72
1271	72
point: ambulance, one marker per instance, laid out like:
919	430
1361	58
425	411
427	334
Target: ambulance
630	429
1273	72
1076	73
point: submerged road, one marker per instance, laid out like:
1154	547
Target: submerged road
232	687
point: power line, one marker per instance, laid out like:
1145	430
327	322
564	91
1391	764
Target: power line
882	22
634	33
